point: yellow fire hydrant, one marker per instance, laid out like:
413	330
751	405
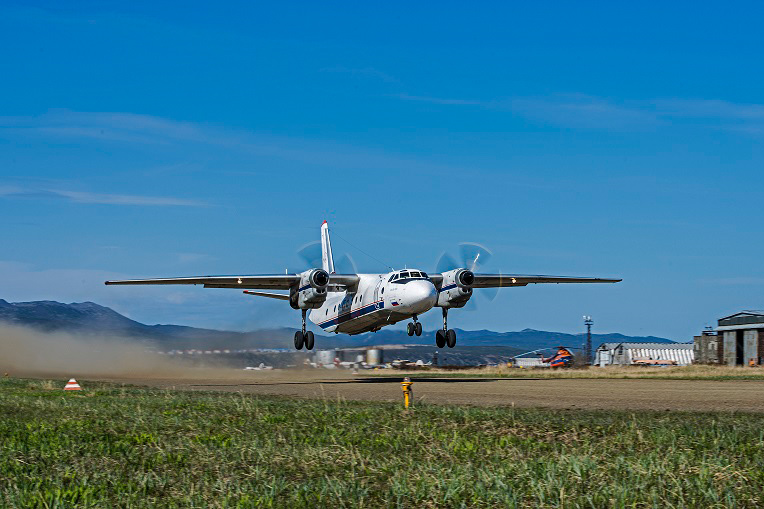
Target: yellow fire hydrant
408	392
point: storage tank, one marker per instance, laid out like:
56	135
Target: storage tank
326	357
373	356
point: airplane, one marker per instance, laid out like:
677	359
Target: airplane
357	303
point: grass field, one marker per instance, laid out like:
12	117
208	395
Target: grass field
692	372
122	446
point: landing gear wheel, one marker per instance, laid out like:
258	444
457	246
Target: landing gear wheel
440	338
451	338
418	329
410	329
299	340
310	339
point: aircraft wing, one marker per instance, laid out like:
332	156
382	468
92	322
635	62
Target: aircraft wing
500	280
248	282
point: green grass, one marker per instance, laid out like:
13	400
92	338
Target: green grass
134	447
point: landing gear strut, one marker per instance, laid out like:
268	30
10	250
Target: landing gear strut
303	337
414	328
445	336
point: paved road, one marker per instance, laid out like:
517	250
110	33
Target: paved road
631	394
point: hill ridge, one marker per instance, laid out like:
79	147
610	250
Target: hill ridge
90	318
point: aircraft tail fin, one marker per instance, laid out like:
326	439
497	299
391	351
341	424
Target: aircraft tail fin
327	260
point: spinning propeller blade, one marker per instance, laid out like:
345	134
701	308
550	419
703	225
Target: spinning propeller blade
446	263
311	254
472	256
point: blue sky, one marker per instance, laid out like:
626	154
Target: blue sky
577	139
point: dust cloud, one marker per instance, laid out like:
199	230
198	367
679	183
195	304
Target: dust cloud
29	352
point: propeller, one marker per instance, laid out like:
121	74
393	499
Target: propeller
472	256
311	255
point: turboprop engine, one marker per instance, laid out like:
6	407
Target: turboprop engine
456	288
311	292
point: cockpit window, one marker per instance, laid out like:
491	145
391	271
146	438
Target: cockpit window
405	275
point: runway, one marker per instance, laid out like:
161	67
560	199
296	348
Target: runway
605	394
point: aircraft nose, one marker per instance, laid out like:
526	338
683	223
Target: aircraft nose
421	296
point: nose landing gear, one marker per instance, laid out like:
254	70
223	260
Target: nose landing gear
445	336
303	337
414	328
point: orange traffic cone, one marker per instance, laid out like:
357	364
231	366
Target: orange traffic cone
72	386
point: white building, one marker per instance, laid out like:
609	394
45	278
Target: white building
624	353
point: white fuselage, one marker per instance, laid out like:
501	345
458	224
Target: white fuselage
378	300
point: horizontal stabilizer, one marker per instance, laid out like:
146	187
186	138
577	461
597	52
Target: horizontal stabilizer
279	296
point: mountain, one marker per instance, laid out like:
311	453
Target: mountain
91	319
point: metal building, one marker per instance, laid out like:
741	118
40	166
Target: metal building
707	347
625	353
741	338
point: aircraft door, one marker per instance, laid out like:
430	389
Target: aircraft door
378	295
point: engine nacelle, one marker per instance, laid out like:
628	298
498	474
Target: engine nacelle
311	292
456	288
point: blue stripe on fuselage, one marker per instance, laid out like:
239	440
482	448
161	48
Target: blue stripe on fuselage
454	285
362	311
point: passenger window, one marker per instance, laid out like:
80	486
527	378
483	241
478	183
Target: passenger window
383	291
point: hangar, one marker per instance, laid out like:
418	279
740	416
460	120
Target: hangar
740	338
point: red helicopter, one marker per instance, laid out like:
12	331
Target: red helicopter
562	359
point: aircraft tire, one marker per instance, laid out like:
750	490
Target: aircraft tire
310	340
418	329
299	340
451	338
440	338
410	329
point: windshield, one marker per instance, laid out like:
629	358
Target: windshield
406	275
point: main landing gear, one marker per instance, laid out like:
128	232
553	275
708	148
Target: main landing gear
445	336
414	328
303	337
